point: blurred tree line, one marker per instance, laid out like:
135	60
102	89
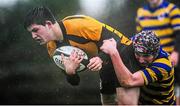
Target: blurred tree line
28	76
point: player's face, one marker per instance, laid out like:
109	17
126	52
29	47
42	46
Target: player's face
41	34
144	60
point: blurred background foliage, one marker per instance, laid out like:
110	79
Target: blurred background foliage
28	75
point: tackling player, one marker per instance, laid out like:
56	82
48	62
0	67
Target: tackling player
156	76
163	18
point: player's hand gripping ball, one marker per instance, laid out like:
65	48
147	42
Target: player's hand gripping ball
66	51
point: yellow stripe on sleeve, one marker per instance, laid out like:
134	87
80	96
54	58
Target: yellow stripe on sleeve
175	21
145	79
168	49
164	32
175	12
166	41
152	74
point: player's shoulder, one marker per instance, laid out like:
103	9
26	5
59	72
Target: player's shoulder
142	9
81	16
166	3
163	59
172	6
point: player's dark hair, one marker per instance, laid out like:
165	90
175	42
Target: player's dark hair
38	15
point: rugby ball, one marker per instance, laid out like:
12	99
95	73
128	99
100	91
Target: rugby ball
66	51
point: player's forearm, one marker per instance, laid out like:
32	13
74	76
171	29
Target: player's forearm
124	76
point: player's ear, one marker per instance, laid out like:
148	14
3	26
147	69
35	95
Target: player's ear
48	24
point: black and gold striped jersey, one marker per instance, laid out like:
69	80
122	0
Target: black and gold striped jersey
86	33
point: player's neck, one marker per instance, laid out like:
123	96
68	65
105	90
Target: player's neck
58	32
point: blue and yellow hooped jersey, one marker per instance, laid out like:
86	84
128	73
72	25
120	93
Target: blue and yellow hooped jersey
159	82
163	20
86	33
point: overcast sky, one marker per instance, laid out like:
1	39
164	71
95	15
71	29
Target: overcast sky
4	3
99	8
93	7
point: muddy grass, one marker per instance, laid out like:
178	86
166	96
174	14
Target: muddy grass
29	83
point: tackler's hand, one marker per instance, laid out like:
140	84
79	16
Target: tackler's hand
109	46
